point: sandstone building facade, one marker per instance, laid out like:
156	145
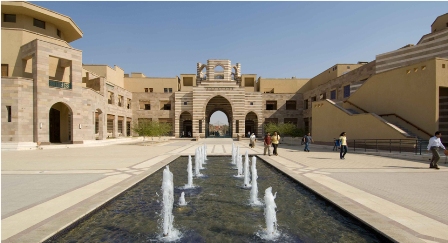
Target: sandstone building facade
50	96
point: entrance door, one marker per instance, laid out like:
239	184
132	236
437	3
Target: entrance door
55	126
128	128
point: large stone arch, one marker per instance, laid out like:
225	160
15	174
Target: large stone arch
60	120
218	103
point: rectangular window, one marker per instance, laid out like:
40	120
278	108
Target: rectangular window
39	23
271	120
151	90
291	104
110	125
185	102
120	126
271	105
8	107
323	96
237	125
443	66
305	104
165	90
5	69
167	107
58	32
110	99
200	126
147	107
347	91
170	90
120	101
333	95
129	104
146	90
9	18
313	98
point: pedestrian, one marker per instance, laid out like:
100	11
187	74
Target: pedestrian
252	140
182	133
267	143
248	133
307	139
343	143
337	143
434	144
275	140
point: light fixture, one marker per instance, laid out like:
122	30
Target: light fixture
40	125
80	126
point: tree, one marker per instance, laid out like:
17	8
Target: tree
285	129
151	128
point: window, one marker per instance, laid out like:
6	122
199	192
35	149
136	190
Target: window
348	67
443	66
170	90
271	105
151	90
9	18
251	103
144	105
8	107
165	90
167	107
185	102
147	107
305	104
146	90
129	104
58	32
271	120
5	69
346	91
110	100
313	98
237	125
200	126
291	104
333	95
323	96
120	100
39	23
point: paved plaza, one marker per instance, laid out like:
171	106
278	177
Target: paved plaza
43	191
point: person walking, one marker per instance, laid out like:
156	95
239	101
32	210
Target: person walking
267	144
248	134
252	140
343	147
307	139
275	140
434	144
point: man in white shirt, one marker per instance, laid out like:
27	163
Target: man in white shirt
252	140
434	144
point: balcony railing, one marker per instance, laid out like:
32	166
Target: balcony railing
59	84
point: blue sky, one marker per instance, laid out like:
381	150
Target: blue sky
270	39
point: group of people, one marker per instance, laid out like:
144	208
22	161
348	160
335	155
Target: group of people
271	141
340	143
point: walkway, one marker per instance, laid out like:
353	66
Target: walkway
43	191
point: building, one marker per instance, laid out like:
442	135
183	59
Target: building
50	96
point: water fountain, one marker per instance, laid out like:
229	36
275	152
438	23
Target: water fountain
197	164
254	190
233	154
190	174
135	215
169	232
246	171
205	153
201	157
270	215
182	201
239	165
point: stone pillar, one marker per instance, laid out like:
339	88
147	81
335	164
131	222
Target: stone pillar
115	127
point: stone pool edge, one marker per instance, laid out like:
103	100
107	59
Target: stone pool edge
70	217
377	222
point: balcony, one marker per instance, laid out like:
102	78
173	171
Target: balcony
59	84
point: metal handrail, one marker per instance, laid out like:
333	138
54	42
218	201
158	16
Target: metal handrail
398	145
59	84
408	122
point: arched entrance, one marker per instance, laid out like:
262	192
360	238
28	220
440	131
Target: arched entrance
219	103
185	124
61	123
218	125
251	122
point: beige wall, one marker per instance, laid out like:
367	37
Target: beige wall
410	94
187	82
283	86
329	121
12	40
332	73
26	22
440	23
158	84
113	75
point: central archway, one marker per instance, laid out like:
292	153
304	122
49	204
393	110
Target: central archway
218	103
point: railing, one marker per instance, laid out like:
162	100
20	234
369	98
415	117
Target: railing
59	84
356	106
397	145
408	122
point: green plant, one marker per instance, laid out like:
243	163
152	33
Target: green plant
284	129
151	128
